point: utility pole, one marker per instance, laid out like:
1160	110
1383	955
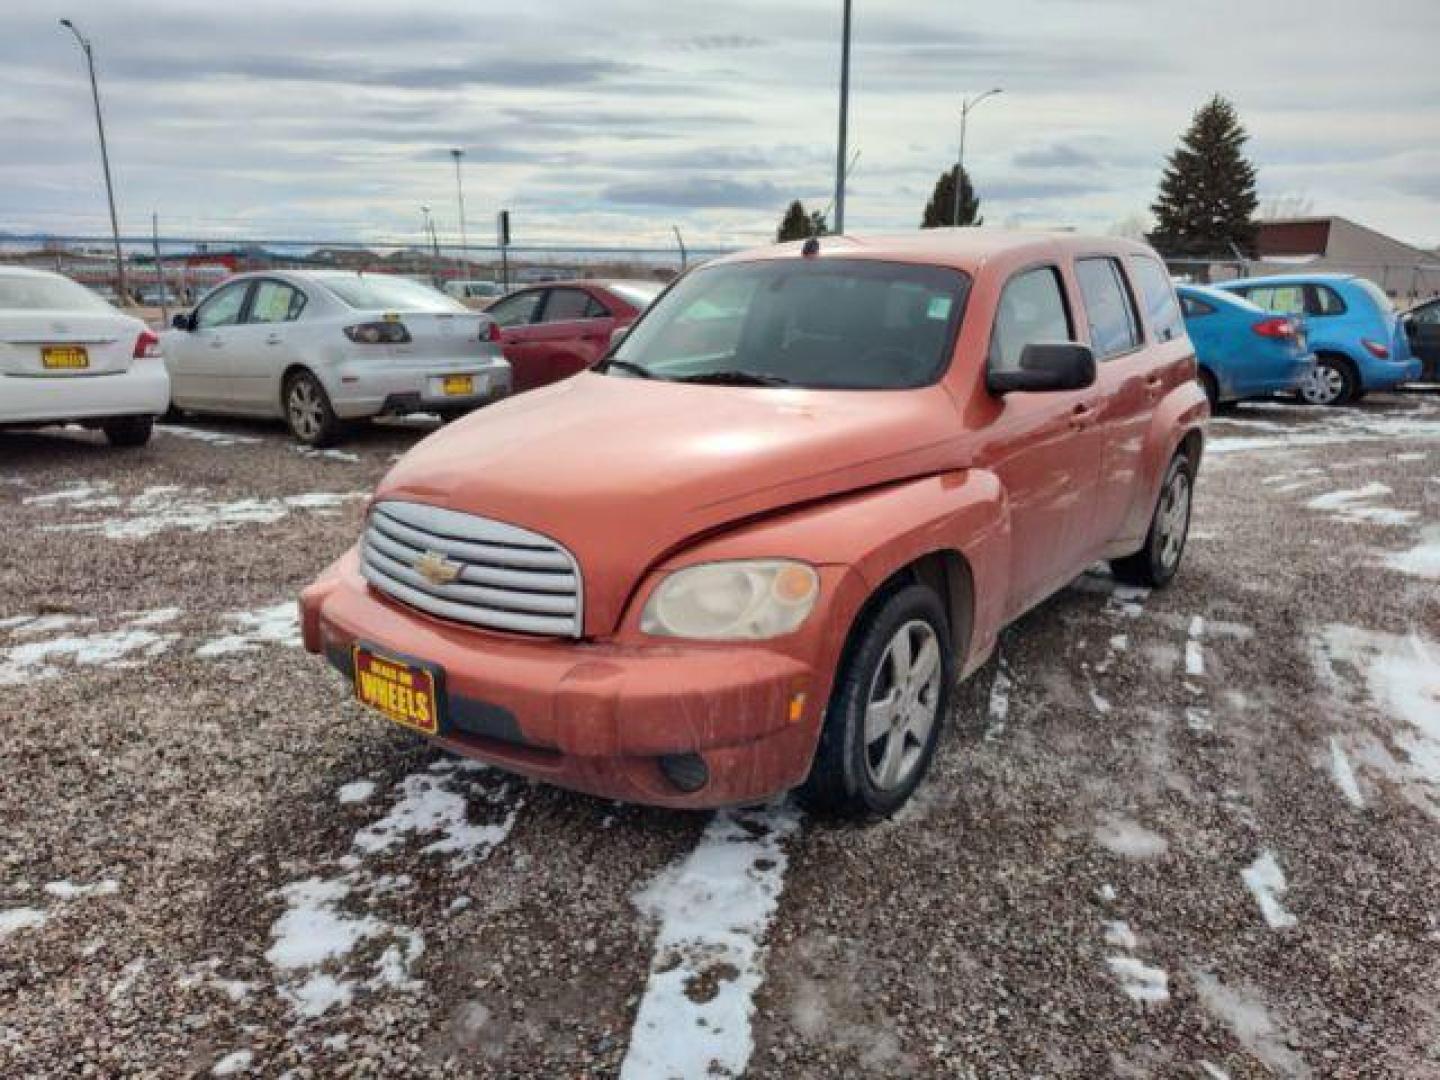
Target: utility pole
684	257
840	150
457	153
104	158
434	242
965	106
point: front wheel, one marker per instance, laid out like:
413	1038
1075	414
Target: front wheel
308	412
891	697
128	431
1154	565
1331	382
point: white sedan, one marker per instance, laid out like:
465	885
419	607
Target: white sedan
66	356
318	348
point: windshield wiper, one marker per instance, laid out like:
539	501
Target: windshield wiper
626	365
735	377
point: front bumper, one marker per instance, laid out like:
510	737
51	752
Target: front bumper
363	390
594	717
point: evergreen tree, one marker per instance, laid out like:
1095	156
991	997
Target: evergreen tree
800	224
1207	197
940	210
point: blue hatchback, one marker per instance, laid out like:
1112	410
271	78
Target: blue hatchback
1243	351
1359	341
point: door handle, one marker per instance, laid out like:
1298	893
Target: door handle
1082	415
273	339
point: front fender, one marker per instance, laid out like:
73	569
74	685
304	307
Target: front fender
874	533
1178	416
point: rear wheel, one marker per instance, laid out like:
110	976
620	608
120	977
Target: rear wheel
1154	565
128	430
1331	382
308	412
891	697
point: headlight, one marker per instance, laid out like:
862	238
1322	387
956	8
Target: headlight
730	601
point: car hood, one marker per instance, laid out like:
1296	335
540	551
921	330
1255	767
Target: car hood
623	471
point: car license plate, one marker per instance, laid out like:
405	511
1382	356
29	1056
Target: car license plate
458	385
400	690
64	358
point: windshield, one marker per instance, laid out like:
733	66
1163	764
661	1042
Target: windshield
376	292
841	324
22	292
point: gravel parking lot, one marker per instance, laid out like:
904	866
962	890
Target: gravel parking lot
1192	833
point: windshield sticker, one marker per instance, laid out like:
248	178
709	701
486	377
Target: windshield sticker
939	308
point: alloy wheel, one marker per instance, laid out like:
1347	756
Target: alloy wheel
1174	521
1323	386
307	414
902	706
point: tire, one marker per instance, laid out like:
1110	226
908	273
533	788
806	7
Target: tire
1332	383
1211	388
308	412
869	770
128	431
1154	566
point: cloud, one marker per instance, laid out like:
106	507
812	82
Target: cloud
695	192
1054	156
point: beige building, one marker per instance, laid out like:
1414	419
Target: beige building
1338	245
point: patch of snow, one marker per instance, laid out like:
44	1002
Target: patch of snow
1107	893
14	919
1214	1072
428	805
127	646
1356	505
1344	775
1194	653
1130	839
328	455
65	890
1198	720
1119	934
1141	982
93	496
1266	882
1120	642
237	1061
1423	560
214	438
167	507
277	625
998	707
714	908
357	791
1250	1021
1102	706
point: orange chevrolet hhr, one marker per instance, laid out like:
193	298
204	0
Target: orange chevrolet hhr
757	545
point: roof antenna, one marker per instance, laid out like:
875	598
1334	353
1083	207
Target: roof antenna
812	247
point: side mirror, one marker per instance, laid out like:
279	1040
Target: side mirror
1047	366
183	320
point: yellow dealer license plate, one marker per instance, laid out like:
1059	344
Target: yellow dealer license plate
64	357
405	692
459	385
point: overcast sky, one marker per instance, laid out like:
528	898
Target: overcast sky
605	121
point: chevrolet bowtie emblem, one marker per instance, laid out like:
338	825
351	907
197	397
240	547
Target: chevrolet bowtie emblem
436	568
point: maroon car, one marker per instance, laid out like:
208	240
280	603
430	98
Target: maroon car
550	332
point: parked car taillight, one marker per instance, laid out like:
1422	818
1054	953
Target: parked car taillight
1375	349
1278	327
147	346
489	330
378	333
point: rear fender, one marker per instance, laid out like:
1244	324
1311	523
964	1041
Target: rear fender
1179	416
870	536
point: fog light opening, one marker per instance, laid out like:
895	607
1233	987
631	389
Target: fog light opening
688	772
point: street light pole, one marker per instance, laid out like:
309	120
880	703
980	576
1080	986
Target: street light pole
965	106
104	157
840	150
457	153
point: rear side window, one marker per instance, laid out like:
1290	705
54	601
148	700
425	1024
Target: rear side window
1195	309
1280	299
567	305
275	302
1114	328
1162	308
1032	309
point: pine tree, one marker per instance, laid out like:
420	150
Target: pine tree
799	224
940	210
1207	199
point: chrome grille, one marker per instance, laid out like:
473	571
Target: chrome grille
502	577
